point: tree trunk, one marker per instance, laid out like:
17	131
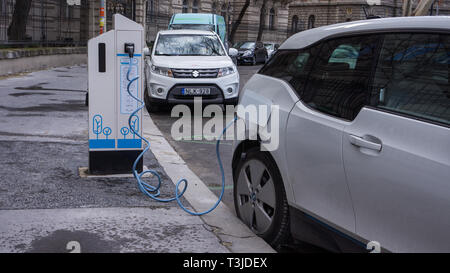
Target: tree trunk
17	28
238	21
262	20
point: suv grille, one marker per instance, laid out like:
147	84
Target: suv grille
195	73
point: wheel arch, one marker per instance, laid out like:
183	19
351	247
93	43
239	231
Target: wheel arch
245	146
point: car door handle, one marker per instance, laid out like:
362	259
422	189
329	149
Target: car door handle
364	143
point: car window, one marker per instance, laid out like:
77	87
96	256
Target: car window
238	44
189	45
338	83
292	66
192	26
412	76
345	54
247	45
268	46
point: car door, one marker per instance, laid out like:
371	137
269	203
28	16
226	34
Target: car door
397	151
335	92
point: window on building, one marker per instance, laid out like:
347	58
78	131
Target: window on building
223	11
150	7
195	6
412	76
2	6
311	21
338	82
294	27
185	6
272	19
66	10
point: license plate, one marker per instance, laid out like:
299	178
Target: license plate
196	91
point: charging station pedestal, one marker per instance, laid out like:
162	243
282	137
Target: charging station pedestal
113	147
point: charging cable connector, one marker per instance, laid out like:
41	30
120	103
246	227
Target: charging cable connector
129	48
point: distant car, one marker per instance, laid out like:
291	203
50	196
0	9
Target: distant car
271	48
185	64
364	139
251	53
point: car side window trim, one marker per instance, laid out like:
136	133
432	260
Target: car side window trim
403	115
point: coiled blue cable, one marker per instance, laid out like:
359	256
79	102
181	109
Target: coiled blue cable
153	191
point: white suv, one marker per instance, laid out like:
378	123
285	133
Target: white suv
189	63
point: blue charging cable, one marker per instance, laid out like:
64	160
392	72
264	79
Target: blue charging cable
153	191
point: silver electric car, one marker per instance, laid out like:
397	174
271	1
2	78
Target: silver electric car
363	159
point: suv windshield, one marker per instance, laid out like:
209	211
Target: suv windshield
192	26
189	45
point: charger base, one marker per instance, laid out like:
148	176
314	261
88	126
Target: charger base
114	162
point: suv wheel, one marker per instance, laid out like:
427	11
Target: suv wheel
259	197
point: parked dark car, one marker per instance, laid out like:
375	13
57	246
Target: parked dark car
251	52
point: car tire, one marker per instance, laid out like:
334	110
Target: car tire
151	108
278	231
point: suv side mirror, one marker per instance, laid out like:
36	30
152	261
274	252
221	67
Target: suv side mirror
277	46
146	51
232	52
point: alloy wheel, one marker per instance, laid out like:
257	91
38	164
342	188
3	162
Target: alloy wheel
256	196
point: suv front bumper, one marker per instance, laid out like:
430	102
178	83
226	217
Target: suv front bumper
165	90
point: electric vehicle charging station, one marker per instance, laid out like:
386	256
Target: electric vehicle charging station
113	145
115	69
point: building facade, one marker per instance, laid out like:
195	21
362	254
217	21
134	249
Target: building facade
159	12
56	22
306	14
48	20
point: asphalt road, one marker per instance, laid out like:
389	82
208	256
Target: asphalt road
45	204
43	133
200	155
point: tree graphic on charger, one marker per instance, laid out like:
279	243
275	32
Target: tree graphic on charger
97	125
107	131
124	131
134	125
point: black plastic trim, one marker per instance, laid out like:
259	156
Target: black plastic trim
101	57
113	162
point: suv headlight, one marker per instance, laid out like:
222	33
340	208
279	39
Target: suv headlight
162	71
226	71
247	53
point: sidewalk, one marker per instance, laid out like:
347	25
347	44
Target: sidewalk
45	204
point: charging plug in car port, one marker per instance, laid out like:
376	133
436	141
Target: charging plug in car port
129	48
